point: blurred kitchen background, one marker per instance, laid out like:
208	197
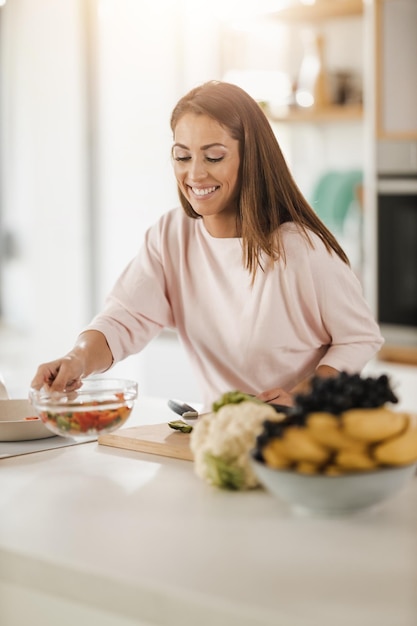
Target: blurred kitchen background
86	91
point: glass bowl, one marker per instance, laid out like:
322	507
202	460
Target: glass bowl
320	495
101	405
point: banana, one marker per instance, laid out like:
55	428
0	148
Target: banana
274	454
373	425
325	429
300	446
305	467
355	460
401	450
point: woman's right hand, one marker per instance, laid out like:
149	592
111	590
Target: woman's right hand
63	374
91	354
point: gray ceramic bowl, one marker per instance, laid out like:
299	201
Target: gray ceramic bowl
18	422
333	495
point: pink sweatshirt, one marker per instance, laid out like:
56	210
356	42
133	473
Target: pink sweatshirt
300	313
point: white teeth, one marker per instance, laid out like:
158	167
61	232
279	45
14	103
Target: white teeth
203	192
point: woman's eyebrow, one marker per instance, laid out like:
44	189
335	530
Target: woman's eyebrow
213	145
205	147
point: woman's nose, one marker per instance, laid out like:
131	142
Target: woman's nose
197	169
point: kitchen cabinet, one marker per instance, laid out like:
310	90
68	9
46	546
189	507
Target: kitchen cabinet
331	114
396	54
393	197
323	18
323	9
266	55
265	58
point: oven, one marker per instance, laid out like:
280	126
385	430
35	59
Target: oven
397	242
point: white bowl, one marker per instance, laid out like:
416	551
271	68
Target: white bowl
333	495
19	422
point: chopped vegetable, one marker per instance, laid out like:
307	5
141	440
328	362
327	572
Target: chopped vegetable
181	426
81	422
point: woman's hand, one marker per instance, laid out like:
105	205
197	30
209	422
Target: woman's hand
286	398
323	371
91	354
63	374
277	396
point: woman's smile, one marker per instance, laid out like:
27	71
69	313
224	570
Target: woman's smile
203	192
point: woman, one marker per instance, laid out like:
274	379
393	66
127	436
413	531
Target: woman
258	289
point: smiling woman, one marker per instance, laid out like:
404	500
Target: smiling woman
206	166
244	271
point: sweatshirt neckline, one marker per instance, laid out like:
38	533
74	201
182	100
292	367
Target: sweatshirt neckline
211	238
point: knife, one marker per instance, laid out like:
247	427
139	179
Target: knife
188	412
181	408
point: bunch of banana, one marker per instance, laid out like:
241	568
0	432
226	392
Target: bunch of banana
334	443
358	440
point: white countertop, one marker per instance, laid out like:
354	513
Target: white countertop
122	538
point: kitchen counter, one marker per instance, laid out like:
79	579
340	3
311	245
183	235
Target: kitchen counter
96	535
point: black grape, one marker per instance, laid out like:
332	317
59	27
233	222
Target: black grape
331	395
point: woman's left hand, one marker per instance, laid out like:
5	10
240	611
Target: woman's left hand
286	398
277	396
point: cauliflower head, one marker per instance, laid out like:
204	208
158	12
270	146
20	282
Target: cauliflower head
222	440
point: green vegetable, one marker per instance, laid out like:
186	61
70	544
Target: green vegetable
224	474
181	426
62	422
234	397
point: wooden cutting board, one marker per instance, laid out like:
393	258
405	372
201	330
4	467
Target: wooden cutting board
154	439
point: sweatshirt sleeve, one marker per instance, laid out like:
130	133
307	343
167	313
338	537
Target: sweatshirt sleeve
137	308
354	333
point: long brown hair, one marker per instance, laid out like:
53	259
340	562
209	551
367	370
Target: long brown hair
268	196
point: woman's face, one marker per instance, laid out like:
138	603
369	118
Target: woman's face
206	165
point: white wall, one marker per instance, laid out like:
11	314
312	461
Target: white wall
148	55
137	86
43	176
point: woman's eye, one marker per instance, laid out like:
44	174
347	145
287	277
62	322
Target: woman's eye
185	158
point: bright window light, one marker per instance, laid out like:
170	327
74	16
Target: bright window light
263	85
232	9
